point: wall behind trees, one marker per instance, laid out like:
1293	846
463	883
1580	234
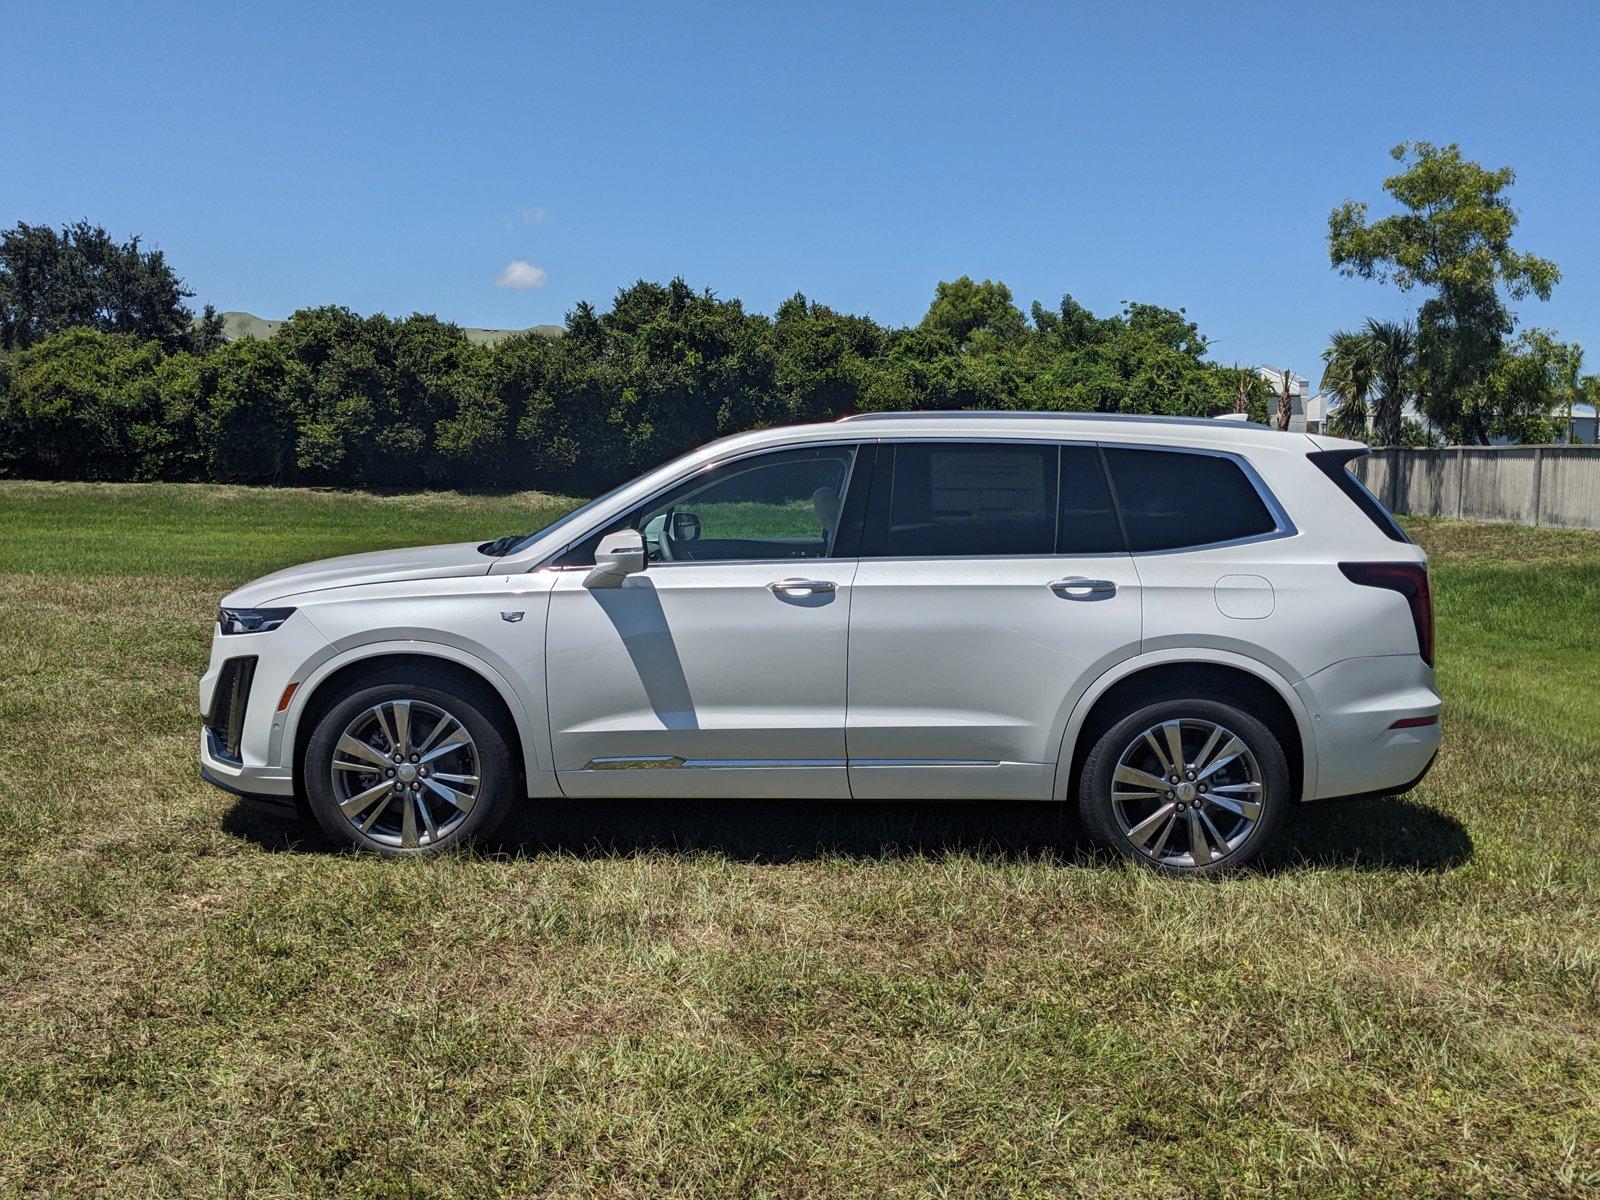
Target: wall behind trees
338	399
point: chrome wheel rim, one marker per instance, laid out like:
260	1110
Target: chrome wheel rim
405	773
1187	793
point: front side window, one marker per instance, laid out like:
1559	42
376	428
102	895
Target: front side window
786	504
1170	499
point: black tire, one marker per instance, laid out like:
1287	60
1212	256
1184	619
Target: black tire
471	705
1108	824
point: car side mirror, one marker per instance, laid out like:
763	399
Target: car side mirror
617	556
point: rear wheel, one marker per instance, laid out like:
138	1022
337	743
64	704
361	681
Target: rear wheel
1186	787
406	768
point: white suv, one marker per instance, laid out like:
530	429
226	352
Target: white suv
1185	625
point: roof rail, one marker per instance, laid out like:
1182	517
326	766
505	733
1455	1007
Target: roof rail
1018	415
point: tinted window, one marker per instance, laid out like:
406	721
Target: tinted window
1171	499
1088	525
787	504
950	500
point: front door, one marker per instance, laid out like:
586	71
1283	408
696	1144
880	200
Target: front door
993	589
720	669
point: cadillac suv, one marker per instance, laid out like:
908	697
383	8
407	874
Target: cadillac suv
1184	626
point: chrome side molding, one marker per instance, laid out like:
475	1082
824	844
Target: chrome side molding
656	762
671	762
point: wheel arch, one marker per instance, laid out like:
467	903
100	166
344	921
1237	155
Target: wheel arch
1214	673
324	683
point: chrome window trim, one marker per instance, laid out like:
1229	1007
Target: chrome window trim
1284	526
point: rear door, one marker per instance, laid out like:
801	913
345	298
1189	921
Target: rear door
993	588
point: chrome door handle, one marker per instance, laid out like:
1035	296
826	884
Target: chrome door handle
1077	588
805	587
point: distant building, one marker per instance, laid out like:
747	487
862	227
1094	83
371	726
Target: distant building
236	325
1299	398
1585	425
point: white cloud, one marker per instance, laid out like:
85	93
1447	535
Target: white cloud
519	274
531	215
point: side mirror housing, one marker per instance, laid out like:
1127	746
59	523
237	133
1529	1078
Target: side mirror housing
617	556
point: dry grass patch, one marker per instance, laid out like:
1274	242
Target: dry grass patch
790	999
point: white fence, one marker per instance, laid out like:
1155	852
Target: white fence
1531	485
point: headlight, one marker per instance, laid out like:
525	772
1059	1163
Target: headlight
252	620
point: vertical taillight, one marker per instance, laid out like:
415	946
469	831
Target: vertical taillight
1411	581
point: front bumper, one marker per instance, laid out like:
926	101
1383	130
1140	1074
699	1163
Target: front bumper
242	739
284	804
243	779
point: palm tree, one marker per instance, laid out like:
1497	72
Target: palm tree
1392	349
1347	374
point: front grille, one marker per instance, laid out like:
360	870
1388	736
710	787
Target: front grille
226	718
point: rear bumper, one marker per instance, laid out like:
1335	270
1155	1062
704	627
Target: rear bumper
1388	791
1354	705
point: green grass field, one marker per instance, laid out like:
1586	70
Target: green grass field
794	1000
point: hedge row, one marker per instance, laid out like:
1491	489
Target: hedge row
337	399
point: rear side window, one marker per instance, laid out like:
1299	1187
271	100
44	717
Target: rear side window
1172	498
1088	523
948	500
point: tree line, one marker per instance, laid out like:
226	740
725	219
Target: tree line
106	373
334	398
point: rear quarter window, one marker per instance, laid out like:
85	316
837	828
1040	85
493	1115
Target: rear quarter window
1170	499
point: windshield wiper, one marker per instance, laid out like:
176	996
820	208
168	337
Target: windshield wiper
498	547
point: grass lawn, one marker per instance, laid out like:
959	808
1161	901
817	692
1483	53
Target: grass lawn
807	999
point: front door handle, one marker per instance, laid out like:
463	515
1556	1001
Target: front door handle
1076	587
801	587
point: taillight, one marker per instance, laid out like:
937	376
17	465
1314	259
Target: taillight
1411	581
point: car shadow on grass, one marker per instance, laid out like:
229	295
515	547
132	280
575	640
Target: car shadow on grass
1383	834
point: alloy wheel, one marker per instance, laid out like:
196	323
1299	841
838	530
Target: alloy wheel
1187	792
405	773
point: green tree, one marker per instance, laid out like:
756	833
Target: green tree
52	281
1393	353
975	317
83	405
245	417
820	359
1451	237
1523	388
1347	374
1567	364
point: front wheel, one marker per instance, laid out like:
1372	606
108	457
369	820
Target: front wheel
405	768
1186	787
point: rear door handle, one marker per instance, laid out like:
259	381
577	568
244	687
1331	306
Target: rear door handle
1078	588
801	587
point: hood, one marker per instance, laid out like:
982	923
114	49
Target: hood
383	566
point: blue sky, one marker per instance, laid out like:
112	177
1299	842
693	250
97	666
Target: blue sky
401	157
